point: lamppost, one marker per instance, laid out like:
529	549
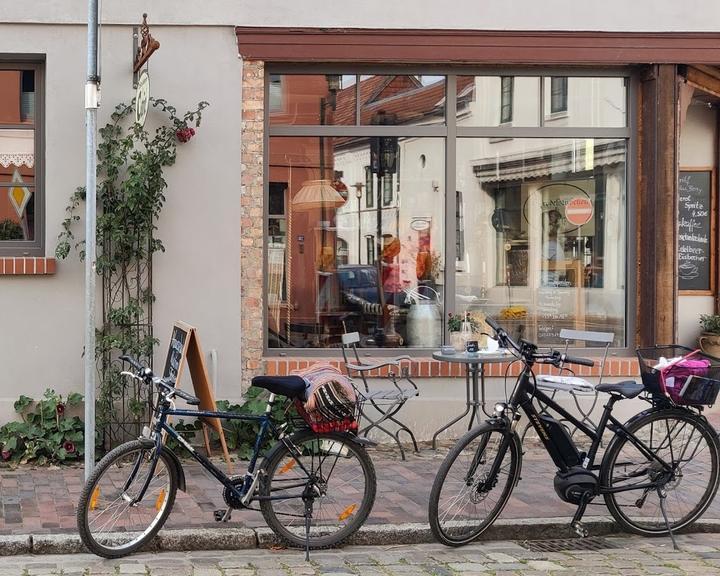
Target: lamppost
383	162
358	194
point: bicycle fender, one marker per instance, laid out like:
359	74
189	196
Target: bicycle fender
178	467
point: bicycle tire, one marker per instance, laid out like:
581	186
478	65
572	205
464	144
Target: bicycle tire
91	493
628	470
461	532
278	462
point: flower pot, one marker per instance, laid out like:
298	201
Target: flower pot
710	343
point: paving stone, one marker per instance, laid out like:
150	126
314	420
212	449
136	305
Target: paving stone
544	565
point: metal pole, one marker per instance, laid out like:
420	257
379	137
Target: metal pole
91	105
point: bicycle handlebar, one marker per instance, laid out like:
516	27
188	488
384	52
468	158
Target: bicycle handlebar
527	350
169	390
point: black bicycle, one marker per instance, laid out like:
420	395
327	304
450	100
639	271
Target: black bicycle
658	474
314	489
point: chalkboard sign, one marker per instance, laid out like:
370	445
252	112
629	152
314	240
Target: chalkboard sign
695	230
176	351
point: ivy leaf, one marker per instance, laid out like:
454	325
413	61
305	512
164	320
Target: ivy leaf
74	399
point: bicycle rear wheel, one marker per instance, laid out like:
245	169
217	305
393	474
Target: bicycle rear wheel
335	475
464	500
110	525
679	438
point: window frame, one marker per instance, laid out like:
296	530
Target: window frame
35	247
450	131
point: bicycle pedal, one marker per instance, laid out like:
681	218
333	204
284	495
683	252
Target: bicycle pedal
580	530
222	515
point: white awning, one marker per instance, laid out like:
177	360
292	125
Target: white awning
17	148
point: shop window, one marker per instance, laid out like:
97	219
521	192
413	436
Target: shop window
538	218
21	207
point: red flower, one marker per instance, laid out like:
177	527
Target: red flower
60	409
69	447
6	454
184	134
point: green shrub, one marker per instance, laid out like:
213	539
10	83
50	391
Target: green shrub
46	434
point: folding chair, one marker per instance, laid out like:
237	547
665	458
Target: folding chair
574	385
388	402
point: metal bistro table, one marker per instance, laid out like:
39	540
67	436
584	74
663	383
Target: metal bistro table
475	373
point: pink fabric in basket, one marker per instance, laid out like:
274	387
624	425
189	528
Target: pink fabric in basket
674	376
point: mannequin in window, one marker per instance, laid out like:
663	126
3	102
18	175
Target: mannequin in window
553	252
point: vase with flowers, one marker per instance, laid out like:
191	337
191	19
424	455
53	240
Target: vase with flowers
464	327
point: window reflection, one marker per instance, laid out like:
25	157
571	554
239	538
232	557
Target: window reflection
311	99
547	225
376	268
410	99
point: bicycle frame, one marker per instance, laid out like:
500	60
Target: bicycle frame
526	391
161	425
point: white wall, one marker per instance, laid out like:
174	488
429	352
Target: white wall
621	15
198	278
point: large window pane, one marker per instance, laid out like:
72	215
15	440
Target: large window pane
544	240
402	99
498	100
585	102
376	268
311	99
17	185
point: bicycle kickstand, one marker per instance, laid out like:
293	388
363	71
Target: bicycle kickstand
663	495
308	516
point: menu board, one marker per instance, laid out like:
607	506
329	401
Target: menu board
695	242
555	311
176	351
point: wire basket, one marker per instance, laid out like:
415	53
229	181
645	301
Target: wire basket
319	422
694	380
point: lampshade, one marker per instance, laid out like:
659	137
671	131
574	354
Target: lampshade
317	194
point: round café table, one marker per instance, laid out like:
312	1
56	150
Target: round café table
475	374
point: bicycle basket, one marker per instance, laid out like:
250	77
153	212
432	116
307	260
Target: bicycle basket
332	410
692	379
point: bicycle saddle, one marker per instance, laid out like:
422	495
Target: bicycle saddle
626	389
291	386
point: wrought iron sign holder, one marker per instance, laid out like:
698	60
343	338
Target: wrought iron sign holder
144	49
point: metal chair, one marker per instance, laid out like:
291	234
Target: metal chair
574	385
387	402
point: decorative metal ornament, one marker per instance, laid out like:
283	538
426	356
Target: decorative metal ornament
148	45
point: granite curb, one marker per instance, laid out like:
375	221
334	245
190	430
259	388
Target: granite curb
369	535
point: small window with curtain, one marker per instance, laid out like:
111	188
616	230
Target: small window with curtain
387	190
21	204
506	99
558	94
275	93
369	193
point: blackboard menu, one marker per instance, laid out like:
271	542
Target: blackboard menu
694	230
175	353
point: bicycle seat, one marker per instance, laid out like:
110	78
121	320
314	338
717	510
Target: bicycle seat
626	389
290	386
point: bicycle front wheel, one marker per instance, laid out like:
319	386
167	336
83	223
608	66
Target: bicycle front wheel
110	522
329	472
689	445
465	499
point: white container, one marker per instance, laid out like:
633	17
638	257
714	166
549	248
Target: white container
424	329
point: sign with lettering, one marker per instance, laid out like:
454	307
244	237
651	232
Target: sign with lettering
695	230
184	348
555	311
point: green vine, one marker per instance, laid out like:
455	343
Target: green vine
130	196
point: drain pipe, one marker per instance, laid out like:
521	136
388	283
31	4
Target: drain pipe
92	101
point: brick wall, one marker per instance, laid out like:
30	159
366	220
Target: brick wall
27	266
251	220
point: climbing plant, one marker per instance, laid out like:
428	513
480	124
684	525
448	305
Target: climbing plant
131	189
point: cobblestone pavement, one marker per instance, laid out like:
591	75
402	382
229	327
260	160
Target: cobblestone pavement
627	556
42	500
